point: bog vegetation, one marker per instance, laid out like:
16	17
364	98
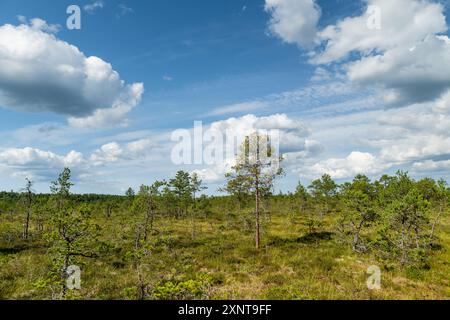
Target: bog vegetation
169	241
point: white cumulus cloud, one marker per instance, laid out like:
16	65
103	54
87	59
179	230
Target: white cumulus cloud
407	58
114	152
37	164
294	21
342	168
40	73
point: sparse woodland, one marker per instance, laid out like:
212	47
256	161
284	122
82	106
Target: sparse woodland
168	241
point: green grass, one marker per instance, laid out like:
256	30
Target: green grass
222	263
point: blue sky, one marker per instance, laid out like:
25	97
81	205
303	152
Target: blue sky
343	99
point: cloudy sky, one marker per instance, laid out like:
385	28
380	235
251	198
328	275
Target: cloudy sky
353	87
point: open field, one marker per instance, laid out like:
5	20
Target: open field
213	256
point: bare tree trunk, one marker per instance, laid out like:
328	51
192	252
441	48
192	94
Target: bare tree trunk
192	226
148	218
64	270
137	238
356	236
403	248
142	287
108	211
416	231
146	223
193	217
26	224
355	241
258	226
40	224
435	222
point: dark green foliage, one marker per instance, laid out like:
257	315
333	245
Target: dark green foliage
360	209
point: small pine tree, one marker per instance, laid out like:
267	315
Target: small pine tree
73	234
182	189
406	220
196	187
359	199
257	167
29	195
